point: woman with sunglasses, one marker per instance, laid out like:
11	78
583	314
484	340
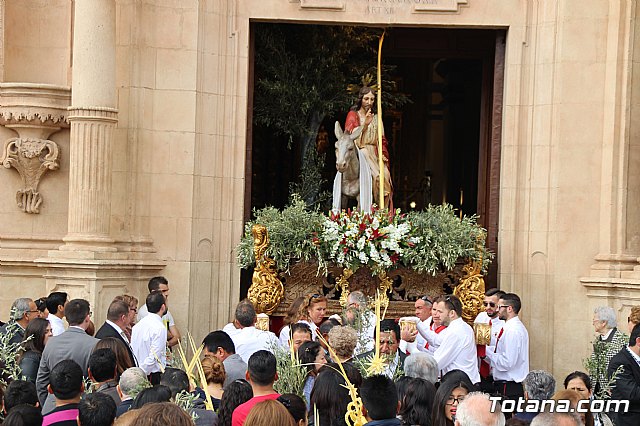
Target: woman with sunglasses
312	312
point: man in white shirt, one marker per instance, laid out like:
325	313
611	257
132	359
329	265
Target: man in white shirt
509	359
414	342
457	349
56	303
488	316
162	285
429	331
247	338
149	338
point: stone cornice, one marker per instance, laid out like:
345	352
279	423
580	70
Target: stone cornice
34	104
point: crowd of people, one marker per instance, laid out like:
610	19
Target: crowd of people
436	370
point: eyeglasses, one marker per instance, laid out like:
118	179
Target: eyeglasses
133	309
492	304
426	299
451	400
315	296
503	306
32	312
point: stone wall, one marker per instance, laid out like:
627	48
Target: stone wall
568	235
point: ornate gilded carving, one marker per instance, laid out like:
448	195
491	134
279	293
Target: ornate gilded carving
483	333
470	291
266	289
342	284
385	287
31	157
263	322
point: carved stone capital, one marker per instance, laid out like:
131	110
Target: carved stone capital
31	157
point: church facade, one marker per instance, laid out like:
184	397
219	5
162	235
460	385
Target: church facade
125	145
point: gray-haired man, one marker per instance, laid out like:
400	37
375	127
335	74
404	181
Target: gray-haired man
132	381
22	311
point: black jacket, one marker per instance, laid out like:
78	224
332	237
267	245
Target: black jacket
29	365
108	331
627	387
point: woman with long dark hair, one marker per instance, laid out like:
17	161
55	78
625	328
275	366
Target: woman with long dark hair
449	395
36	336
311	355
329	398
123	360
236	393
416	406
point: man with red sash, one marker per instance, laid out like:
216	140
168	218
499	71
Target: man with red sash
488	316
414	342
509	359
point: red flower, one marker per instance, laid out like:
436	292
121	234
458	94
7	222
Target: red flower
394	257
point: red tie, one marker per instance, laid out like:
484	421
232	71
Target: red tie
485	368
497	341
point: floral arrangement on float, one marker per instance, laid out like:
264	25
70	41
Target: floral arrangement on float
377	240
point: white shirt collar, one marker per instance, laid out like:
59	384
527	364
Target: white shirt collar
54	318
606	336
115	326
634	355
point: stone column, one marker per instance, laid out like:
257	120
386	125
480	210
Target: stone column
93	117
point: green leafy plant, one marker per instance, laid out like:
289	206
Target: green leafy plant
291	235
597	365
187	401
445	238
291	374
9	368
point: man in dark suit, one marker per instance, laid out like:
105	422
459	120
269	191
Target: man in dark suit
117	320
389	348
627	380
74	344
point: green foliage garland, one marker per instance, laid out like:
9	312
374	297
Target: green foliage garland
291	233
295	231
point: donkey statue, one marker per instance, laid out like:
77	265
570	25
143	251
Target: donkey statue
353	177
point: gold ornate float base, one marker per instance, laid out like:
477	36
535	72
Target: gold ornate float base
406	285
398	288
